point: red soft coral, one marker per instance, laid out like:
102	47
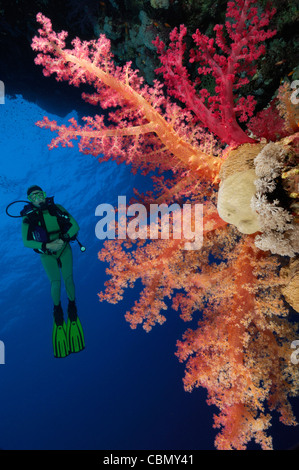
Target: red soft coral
231	64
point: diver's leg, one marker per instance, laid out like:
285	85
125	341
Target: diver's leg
60	344
51	267
74	330
67	272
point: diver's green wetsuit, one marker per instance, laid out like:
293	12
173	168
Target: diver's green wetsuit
47	227
50	260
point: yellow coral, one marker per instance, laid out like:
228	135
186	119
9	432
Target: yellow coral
234	199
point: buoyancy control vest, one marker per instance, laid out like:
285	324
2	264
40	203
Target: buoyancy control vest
37	228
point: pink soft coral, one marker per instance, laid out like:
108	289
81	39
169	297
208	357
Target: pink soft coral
146	129
231	64
240	350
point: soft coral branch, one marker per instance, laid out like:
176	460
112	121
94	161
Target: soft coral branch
141	106
231	69
232	351
240	349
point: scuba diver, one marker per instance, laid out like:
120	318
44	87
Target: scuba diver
48	228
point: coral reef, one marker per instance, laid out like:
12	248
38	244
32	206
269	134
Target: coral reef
240	350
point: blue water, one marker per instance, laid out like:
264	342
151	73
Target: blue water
124	391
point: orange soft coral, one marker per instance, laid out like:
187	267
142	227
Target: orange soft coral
240	351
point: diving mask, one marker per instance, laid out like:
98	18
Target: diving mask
33	197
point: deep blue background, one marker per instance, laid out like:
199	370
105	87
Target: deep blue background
124	391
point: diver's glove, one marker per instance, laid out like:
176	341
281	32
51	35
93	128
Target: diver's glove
65	237
44	249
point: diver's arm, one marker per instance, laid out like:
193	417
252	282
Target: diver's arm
55	245
30	243
74	229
